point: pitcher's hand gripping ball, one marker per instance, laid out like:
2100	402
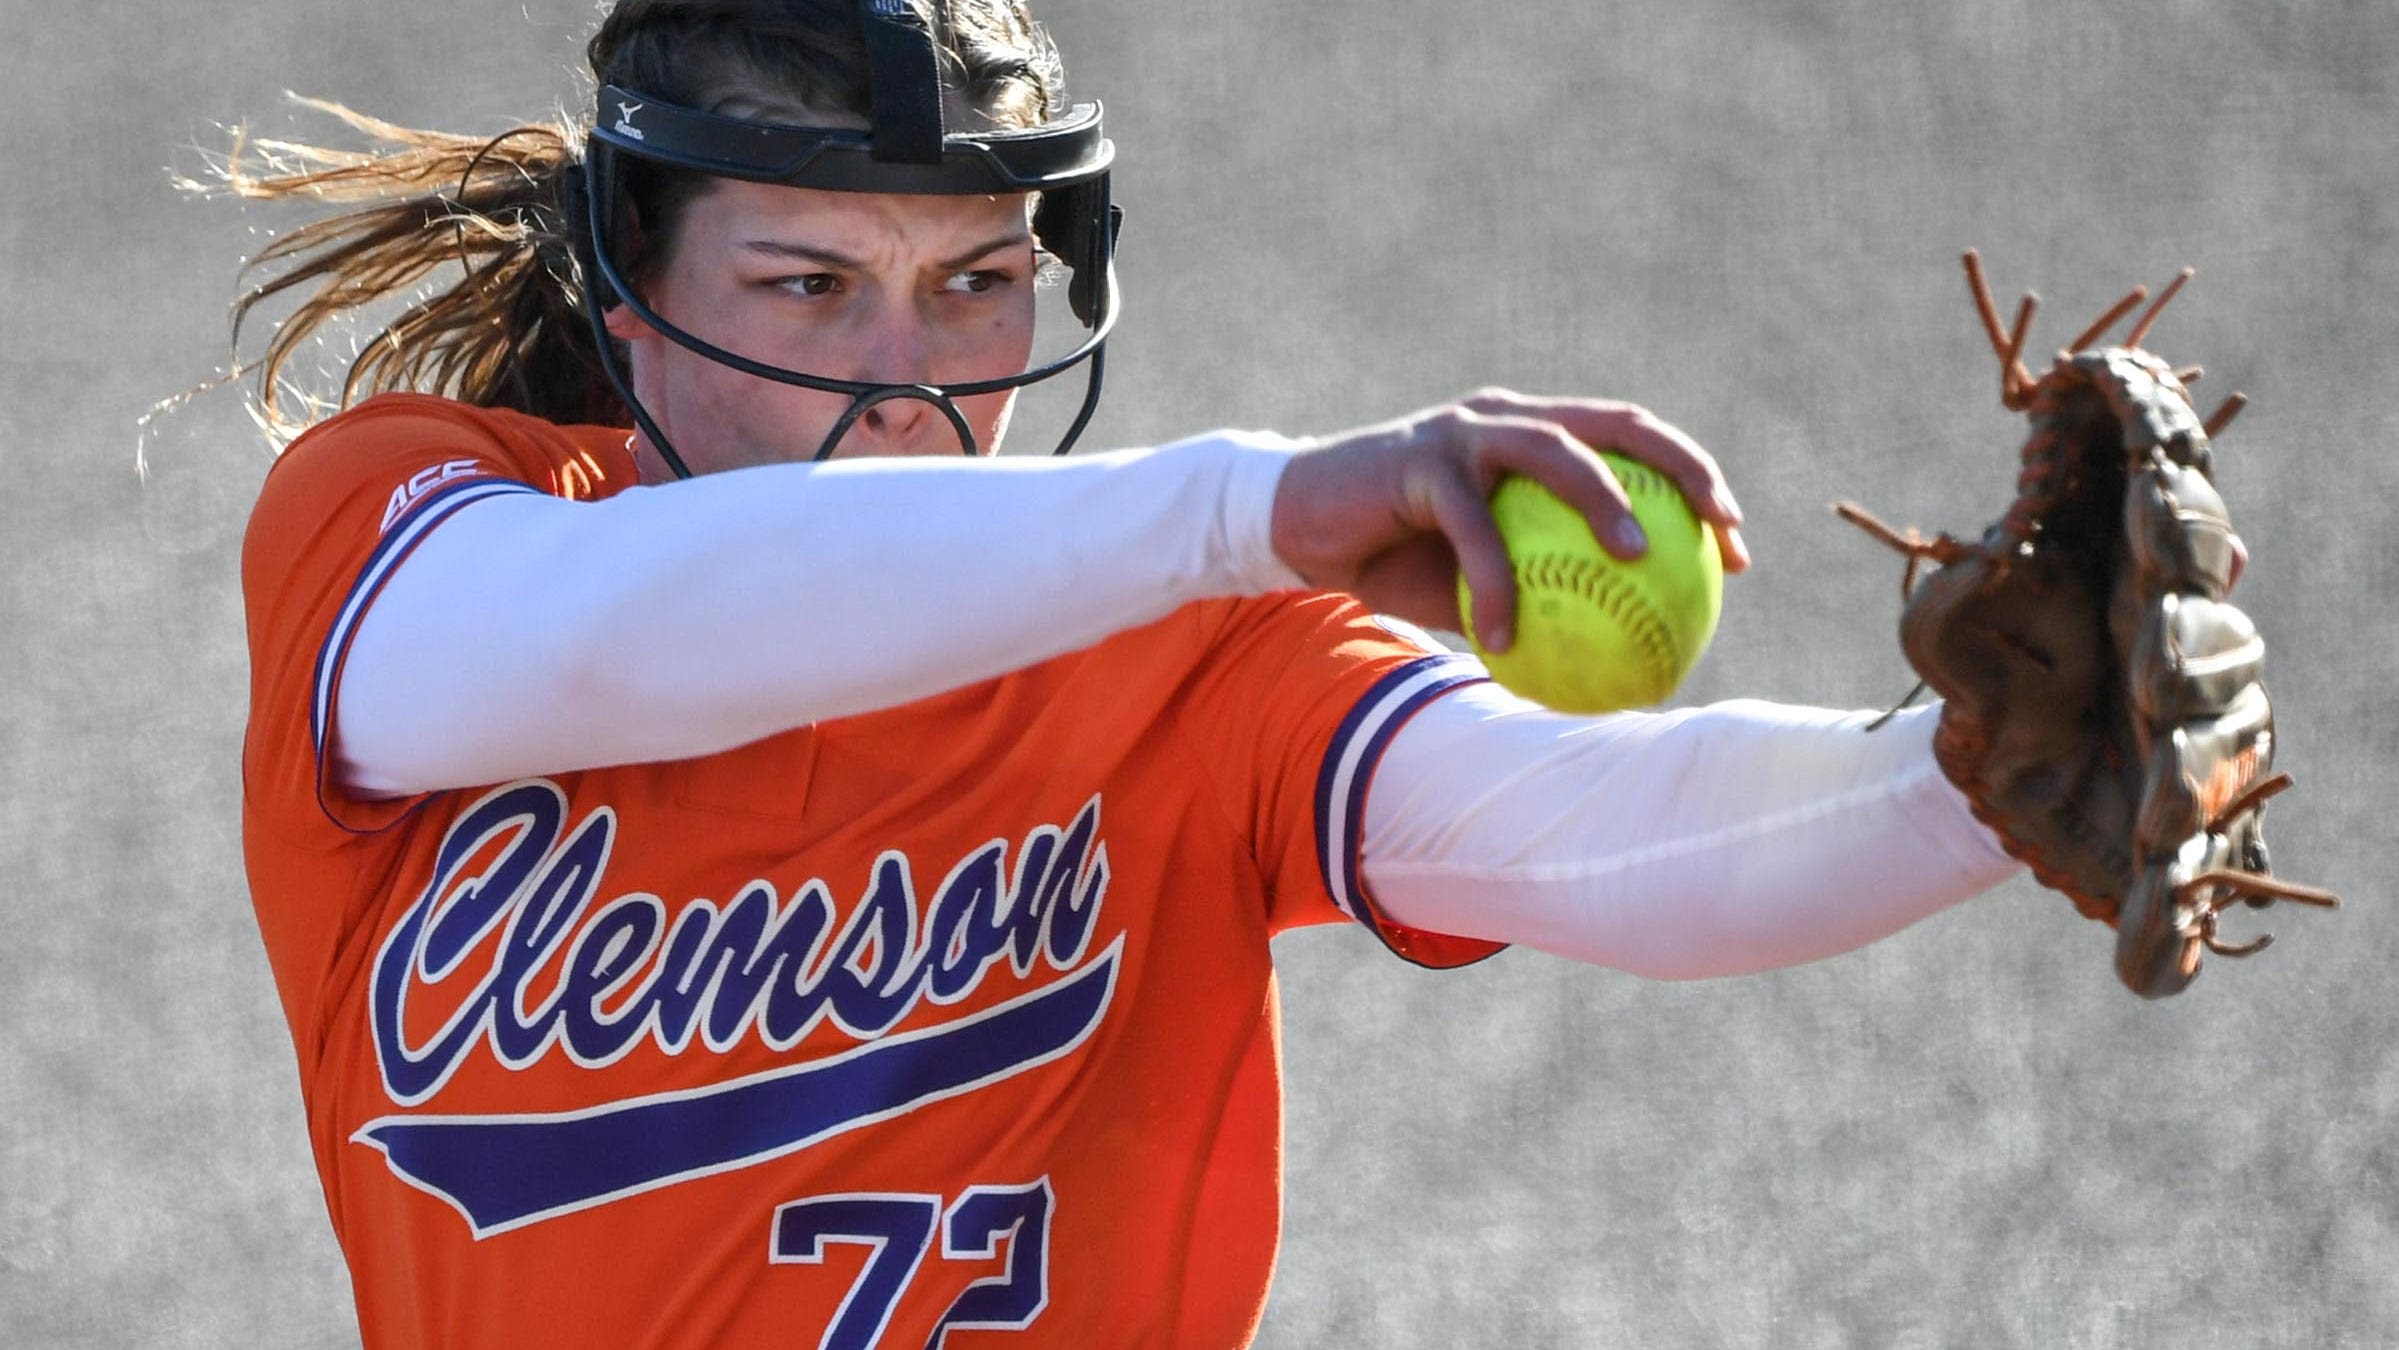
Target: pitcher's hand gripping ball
1594	633
2105	714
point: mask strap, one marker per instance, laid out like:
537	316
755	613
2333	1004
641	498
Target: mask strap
904	78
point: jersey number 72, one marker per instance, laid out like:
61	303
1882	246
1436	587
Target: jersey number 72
898	1231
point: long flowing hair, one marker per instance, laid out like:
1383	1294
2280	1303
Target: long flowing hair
510	331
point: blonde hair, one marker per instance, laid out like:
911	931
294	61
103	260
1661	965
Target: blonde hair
511	331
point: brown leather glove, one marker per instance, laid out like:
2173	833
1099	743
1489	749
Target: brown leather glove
2104	712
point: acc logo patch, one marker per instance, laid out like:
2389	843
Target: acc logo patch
424	481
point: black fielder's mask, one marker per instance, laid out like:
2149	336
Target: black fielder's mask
906	150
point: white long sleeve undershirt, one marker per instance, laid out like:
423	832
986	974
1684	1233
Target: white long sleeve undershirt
1737	837
528	634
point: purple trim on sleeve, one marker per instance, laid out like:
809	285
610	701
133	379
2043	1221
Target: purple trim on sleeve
1349	765
400	539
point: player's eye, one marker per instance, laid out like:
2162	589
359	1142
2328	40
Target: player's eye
811	283
977	282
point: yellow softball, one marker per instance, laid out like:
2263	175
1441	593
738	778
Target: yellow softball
1595	634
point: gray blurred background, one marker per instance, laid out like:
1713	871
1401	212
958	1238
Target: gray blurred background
1745	215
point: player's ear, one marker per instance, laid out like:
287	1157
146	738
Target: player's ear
624	325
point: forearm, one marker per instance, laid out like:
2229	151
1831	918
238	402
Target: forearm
529	634
1738	837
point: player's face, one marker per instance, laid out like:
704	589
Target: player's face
856	286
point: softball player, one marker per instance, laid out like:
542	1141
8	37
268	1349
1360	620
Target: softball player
741	872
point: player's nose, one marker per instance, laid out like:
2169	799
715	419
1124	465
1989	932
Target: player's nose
897	348
900	424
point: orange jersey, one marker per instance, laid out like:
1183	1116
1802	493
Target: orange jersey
949	1024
